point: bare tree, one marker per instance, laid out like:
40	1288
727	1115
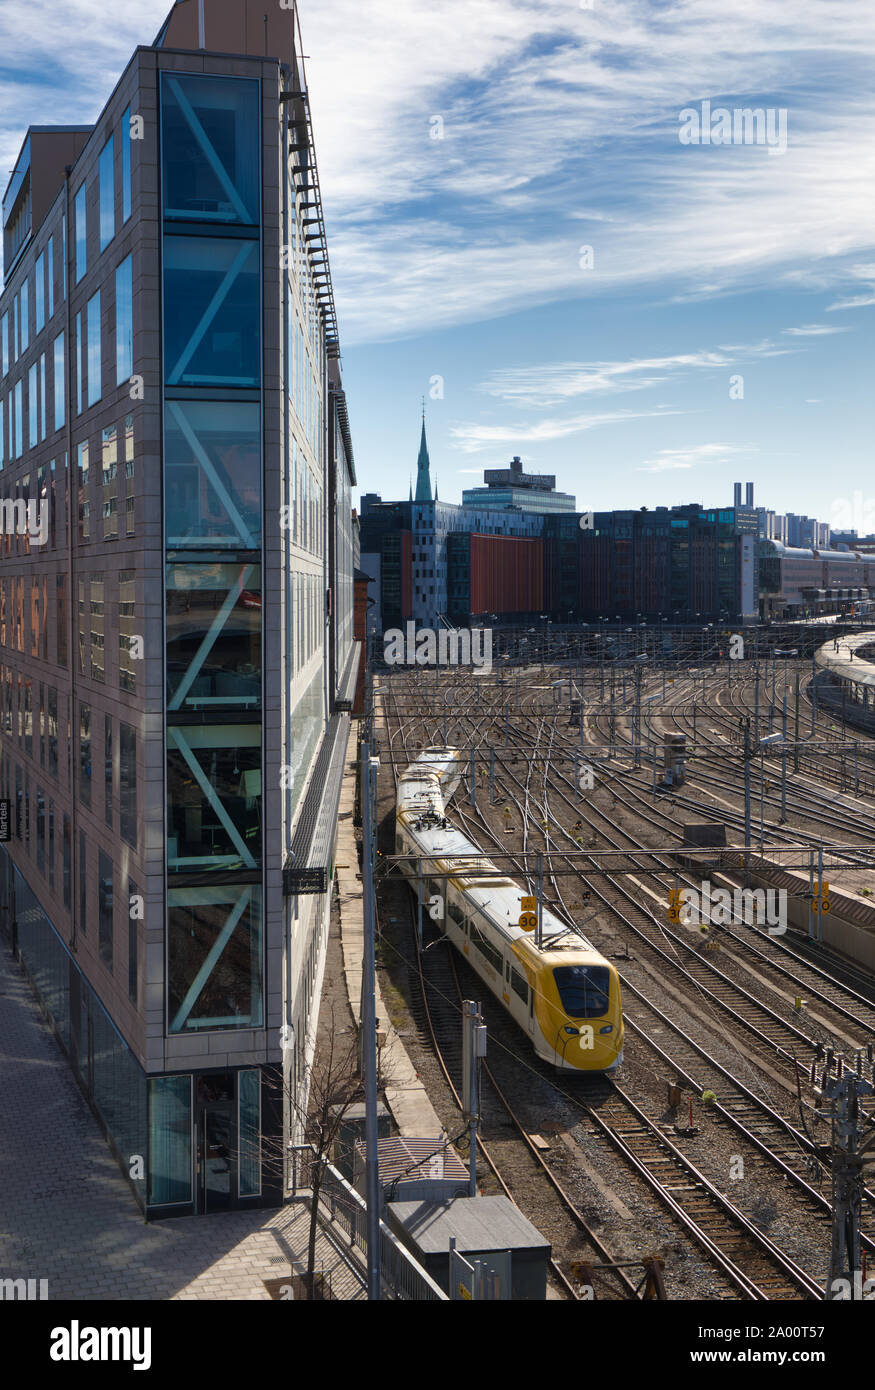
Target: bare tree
333	1085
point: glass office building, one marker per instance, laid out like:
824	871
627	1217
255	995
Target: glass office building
177	619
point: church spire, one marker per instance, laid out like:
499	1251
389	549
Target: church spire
423	476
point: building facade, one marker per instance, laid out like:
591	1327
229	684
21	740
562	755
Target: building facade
171	399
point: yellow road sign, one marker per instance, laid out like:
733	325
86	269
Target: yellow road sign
528	921
529	904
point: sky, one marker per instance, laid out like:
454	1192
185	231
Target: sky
520	233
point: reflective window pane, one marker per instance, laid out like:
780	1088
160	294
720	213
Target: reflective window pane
213	474
213	797
210	138
106	179
124	321
214	940
211	312
169	1140
213	636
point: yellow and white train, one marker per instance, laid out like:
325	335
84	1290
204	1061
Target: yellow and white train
562	993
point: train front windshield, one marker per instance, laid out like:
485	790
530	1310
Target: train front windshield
583	989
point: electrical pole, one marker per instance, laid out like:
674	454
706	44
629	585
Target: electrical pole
747	756
473	1048
852	1147
369	769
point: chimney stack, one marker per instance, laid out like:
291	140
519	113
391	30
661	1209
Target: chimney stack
748	500
736	498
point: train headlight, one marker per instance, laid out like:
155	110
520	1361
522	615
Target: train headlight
608	1028
568	1029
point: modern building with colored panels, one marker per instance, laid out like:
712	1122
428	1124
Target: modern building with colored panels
177	649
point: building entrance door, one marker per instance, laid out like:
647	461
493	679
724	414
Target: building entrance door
214	1152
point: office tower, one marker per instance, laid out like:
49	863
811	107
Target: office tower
177	651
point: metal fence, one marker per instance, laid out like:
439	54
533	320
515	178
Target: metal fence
402	1276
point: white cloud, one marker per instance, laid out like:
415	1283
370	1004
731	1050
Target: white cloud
668	460
471	437
555	118
551	383
813	330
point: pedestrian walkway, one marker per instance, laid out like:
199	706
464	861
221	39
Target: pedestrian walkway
67	1215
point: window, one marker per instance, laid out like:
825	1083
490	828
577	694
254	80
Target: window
220	765
583	989
51	843
98	656
60	384
79	234
94	354
212	314
2	434
213	636
40	831
127	608
128	784
519	986
203	991
106	178
33	407
104	907
39	293
490	953
68	853
126	164
61	610
25	317
211	139
130	499
83	884
79	364
4	340
107	765
50	266
110	483
133	895
212	474
124	321
19	420
85	754
42	396
52	716
84	491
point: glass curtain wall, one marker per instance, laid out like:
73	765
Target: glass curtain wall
211	186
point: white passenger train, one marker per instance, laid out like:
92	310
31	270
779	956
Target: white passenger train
562	993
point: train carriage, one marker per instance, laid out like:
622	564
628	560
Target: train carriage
561	992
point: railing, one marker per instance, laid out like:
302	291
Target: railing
402	1276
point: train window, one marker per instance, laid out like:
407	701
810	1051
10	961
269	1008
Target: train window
486	948
583	989
519	986
455	913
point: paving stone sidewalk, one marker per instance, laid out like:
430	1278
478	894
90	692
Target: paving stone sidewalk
67	1215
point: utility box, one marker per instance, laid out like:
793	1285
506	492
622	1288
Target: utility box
352	1128
482	1227
675	755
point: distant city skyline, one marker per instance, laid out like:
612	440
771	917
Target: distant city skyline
518	233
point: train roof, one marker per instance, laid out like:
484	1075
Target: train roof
421	806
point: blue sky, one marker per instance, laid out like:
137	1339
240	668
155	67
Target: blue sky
460	257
